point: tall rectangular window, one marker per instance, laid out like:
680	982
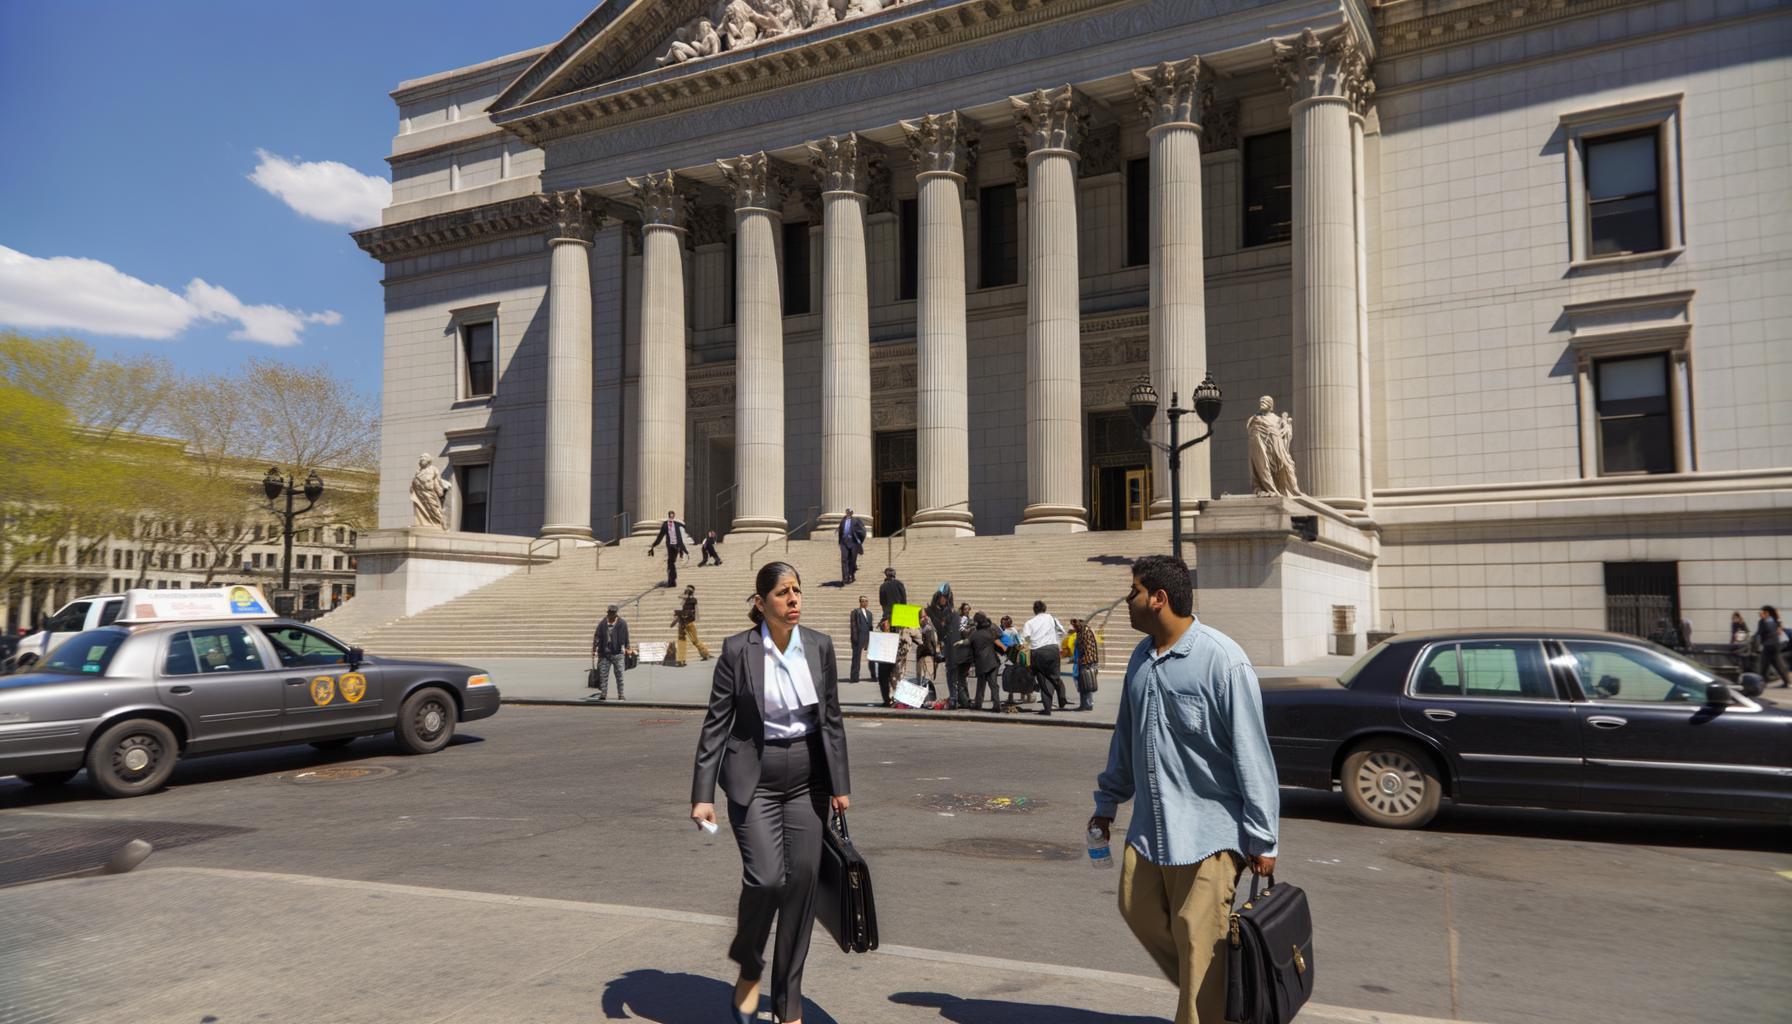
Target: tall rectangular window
796	268
1138	212
1636	423
908	226
475	486
1624	193
998	236
1268	188
479	357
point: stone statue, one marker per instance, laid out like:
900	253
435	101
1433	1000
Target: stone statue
698	39
428	489
1272	464
740	23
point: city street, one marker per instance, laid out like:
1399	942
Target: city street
542	868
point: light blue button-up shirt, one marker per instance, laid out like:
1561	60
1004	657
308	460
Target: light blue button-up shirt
1190	742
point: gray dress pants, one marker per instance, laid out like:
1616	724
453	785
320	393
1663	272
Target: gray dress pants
779	834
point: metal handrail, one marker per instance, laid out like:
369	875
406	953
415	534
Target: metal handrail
890	545
537	544
814	510
732	491
621	532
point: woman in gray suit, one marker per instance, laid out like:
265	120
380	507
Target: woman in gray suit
775	740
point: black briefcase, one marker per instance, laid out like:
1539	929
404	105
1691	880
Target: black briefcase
591	677
1269	955
844	901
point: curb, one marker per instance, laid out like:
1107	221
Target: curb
1055	722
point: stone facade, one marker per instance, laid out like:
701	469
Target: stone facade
1433	312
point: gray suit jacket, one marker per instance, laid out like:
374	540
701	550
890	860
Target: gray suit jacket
733	738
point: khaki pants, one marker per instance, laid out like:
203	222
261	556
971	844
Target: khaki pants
1179	915
687	635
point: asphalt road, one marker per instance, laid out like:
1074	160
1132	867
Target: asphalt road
974	833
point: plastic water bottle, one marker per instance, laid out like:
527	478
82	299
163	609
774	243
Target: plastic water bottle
1099	857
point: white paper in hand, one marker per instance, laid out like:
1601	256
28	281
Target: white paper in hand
708	826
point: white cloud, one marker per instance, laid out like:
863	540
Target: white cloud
72	293
325	190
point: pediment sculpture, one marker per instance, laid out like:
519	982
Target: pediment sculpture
735	24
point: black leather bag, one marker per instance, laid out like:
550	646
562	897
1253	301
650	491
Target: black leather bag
844	901
631	660
591	679
1269	955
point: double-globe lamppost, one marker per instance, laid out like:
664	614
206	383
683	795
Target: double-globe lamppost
1142	403
275	486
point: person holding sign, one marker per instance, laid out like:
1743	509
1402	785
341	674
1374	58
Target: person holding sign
775	740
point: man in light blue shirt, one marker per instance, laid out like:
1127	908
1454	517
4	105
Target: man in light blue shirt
1190	743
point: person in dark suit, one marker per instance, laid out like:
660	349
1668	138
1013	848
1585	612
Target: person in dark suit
672	534
708	547
891	591
861	634
852	545
775	740
948	624
987	650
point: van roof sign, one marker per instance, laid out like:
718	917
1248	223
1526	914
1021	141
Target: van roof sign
233	602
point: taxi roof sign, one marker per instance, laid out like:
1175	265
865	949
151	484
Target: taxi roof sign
232	602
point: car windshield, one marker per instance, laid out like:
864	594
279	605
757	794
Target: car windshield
1357	666
84	654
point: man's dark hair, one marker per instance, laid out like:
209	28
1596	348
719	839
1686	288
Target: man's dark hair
1038	606
1170	575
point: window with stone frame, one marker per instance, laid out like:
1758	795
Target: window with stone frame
1624	193
1138	212
1624	184
796	268
908	229
1268	188
1636	421
478	346
998	236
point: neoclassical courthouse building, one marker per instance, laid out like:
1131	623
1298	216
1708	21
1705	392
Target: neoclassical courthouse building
1517	268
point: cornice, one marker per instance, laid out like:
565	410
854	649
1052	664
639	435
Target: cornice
1398	34
524	215
858	44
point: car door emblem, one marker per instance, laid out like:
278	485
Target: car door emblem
323	690
353	686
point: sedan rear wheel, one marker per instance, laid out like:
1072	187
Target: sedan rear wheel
133	757
426	721
1391	783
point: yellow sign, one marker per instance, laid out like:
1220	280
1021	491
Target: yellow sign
905	616
353	686
323	690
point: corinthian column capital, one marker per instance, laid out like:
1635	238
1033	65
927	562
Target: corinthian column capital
942	143
661	199
838	164
572	215
1174	92
756	182
1324	65
1050	119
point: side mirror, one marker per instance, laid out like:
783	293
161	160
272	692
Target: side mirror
1718	694
355	657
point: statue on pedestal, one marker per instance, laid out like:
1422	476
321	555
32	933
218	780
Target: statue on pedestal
428	489
1272	464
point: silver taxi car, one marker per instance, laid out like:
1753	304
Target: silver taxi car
213	672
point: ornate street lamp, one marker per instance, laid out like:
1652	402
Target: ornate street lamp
274	485
1142	403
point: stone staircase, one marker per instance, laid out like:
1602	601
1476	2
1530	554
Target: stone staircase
549	612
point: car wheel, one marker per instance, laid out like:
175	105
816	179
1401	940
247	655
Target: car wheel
1392	783
426	721
333	744
49	778
132	758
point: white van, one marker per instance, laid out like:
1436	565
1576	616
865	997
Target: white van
74	617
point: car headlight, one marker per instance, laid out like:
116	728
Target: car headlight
479	680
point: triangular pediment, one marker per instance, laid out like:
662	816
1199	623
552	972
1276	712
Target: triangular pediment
620	38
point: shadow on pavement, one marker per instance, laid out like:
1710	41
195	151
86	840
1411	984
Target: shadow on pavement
664	997
997	1011
1568	826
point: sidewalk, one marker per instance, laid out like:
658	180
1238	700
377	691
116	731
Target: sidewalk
237	945
562	680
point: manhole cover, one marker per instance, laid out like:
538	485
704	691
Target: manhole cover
1011	849
29	855
979	803
344	773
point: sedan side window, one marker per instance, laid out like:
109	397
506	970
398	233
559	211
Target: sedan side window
1440	675
1505	668
1633	675
296	646
218	649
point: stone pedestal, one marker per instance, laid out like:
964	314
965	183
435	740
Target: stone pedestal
1269	587
403	572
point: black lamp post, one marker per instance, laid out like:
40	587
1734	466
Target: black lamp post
1142	403
275	486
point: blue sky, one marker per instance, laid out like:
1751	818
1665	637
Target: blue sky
132	130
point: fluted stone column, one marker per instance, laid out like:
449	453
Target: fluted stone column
758	188
1051	128
1325	74
566	484
1174	96
660	434
942	147
845	333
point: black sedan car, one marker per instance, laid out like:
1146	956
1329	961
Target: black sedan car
1539	718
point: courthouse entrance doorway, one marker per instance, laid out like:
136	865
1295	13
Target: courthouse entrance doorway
1119	472
893	476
